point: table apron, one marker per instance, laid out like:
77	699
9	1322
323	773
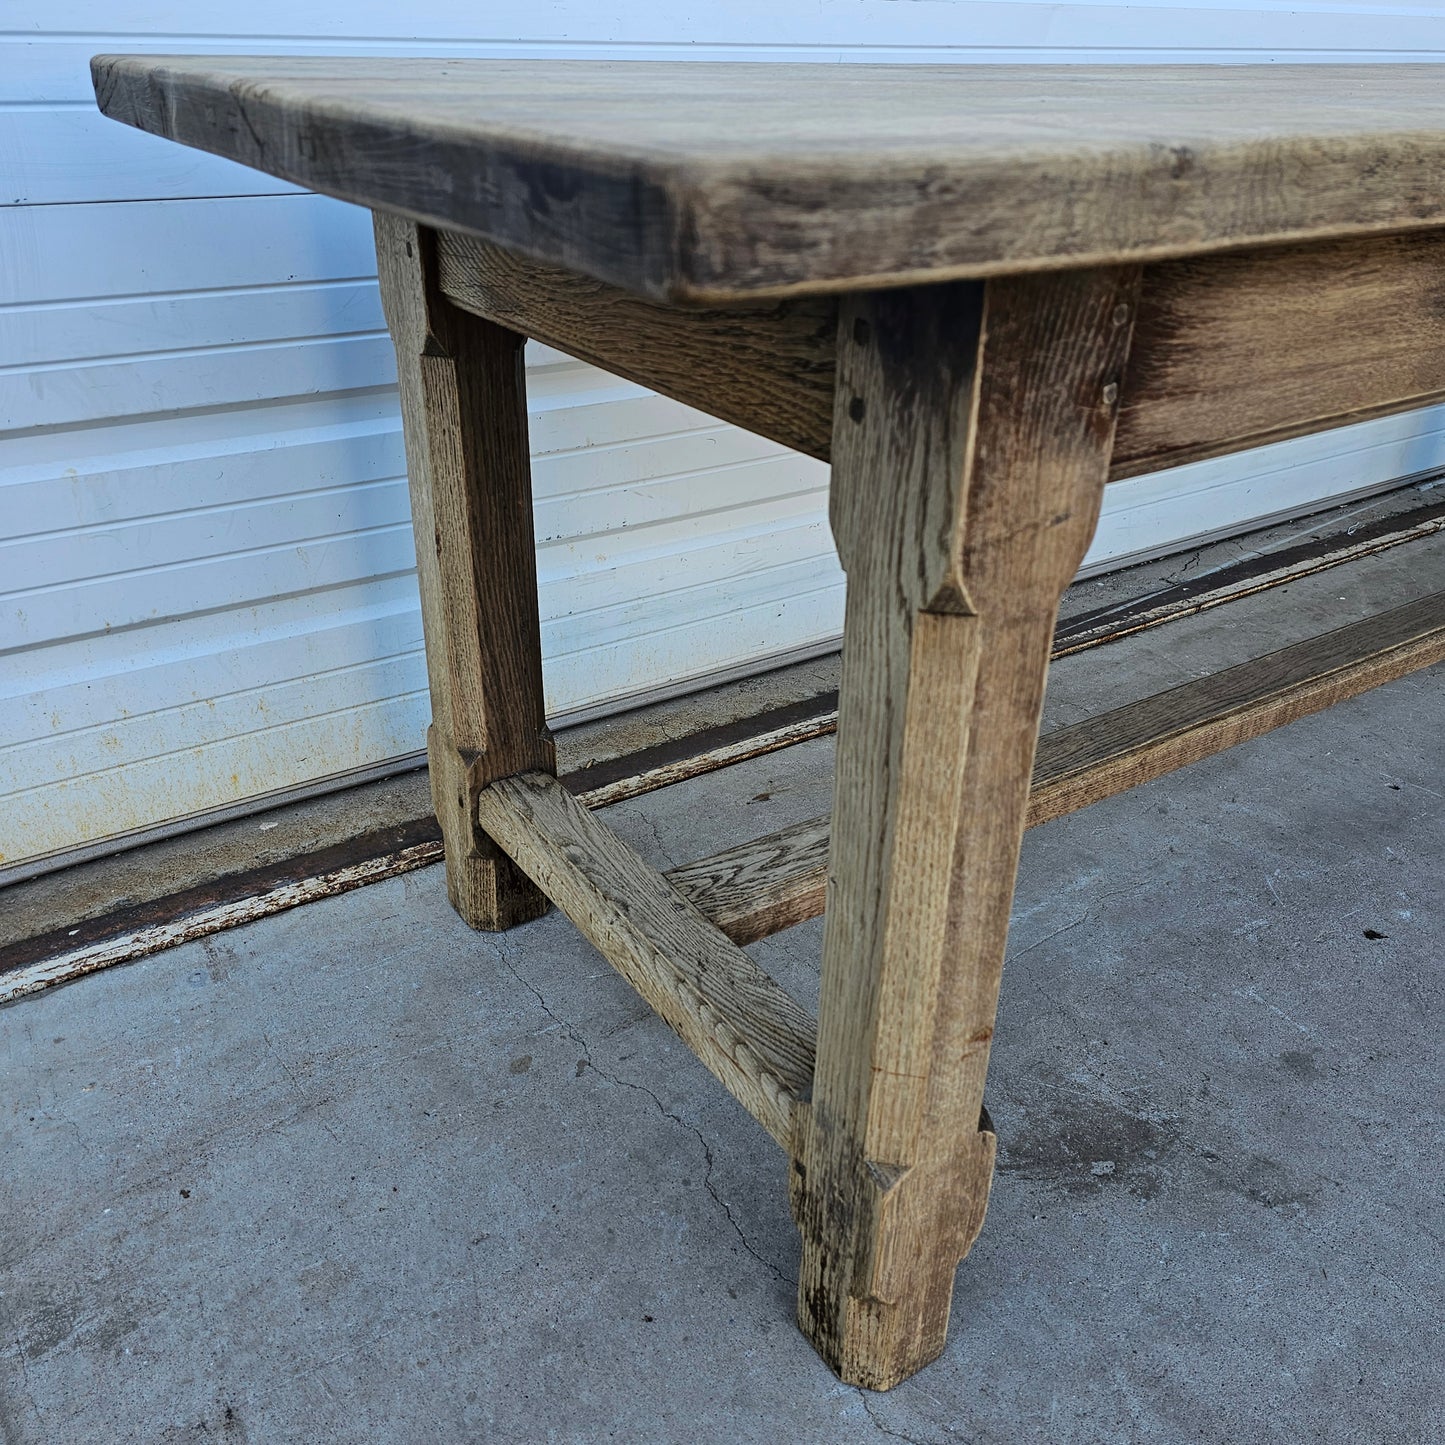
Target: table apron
1231	350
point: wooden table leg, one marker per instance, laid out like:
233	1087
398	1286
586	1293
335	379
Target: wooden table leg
971	444
463	400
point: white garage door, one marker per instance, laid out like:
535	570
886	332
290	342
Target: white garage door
206	596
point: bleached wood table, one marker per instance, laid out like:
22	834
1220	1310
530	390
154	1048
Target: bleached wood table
982	293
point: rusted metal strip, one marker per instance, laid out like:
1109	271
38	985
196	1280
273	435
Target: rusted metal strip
704	751
1244	578
243	898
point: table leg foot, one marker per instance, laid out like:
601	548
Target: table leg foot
876	1282
489	892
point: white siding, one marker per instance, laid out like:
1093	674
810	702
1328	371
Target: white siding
206	595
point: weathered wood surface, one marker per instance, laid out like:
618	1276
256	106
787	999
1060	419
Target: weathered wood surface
1101	756
757	888
464	410
972	431
708	181
760	887
741	1024
767	366
1229	351
1237	350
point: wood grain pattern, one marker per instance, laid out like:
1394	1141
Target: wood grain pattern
767	367
1229	351
757	888
709	181
464	411
1239	350
742	1025
972	430
763	886
1101	756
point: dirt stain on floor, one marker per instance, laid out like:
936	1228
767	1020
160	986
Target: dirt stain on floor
1083	1144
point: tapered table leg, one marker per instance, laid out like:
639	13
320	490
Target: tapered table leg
971	444
464	411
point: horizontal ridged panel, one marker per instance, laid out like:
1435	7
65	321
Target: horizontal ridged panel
251	764
52	54
76	254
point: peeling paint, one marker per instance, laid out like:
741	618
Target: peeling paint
77	963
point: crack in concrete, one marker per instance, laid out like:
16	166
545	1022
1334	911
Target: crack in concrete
256	136
1087	916
707	1179
25	1375
1084	917
657	838
65	1118
866	1397
309	1106
1188	564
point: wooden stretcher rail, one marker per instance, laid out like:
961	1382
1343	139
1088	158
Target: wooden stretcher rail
757	888
1230	351
743	1026
761	887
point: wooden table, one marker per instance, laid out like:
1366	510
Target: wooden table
982	294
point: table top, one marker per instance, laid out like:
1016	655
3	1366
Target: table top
699	181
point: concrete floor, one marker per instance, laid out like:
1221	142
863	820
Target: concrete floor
354	1174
